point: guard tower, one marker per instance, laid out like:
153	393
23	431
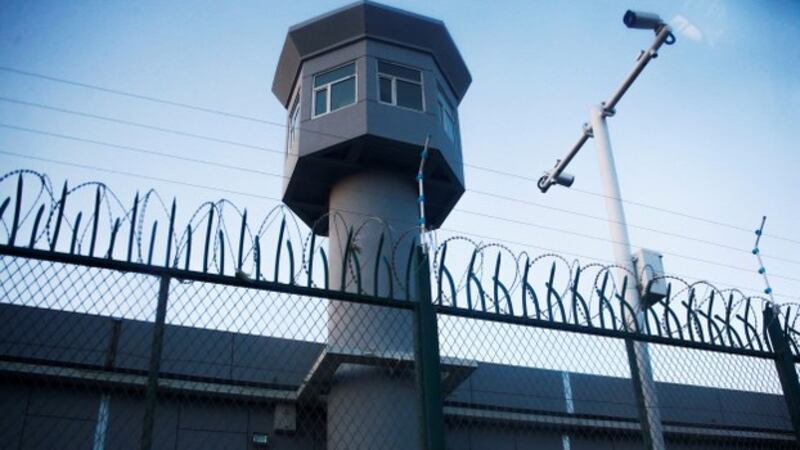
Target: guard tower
364	86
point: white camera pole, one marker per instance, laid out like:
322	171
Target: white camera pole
638	352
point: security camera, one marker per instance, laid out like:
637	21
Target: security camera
547	180
642	20
565	179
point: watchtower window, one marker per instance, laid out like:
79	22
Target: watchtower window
294	125
400	86
447	115
334	89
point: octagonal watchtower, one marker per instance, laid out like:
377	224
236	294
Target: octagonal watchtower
363	86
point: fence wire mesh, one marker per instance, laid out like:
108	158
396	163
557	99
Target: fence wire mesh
536	388
541	388
738	396
238	367
245	367
66	346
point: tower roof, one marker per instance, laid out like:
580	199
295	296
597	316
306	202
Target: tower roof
369	20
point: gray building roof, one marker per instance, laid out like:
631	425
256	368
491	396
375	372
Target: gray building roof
369	20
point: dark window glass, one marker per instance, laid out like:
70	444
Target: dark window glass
385	88
447	116
294	123
443	96
343	93
409	95
399	71
335	74
449	124
321	102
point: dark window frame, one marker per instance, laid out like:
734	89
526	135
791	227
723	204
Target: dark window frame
294	124
393	79
446	111
327	89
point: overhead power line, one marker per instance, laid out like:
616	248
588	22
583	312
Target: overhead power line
634	203
279	152
514	221
136	96
598	238
233	115
265	197
639	227
130	148
149	98
137	124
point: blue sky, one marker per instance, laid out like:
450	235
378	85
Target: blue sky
706	131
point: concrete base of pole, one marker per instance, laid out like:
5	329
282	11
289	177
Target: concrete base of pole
372	407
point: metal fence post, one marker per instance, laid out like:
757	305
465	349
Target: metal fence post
644	392
426	356
784	364
151	396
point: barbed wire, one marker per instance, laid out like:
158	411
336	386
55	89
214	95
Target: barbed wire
238	116
717	316
494	217
714	316
279	201
485	215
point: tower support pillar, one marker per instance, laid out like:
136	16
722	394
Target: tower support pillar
373	406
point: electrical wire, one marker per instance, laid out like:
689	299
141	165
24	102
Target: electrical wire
461	210
153	99
639	227
240	144
633	203
232	115
137	124
266	149
135	149
609	262
598	238
265	197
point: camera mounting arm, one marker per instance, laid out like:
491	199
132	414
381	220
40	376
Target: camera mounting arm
632	19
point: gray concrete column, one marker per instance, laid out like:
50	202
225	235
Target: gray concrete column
372	407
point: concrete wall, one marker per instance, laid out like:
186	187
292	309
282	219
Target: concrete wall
37	416
48	412
37	334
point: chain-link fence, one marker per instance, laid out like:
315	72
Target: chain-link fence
104	359
269	341
545	388
233	367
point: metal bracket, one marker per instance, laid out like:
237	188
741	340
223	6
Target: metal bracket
587	131
454	370
608	112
